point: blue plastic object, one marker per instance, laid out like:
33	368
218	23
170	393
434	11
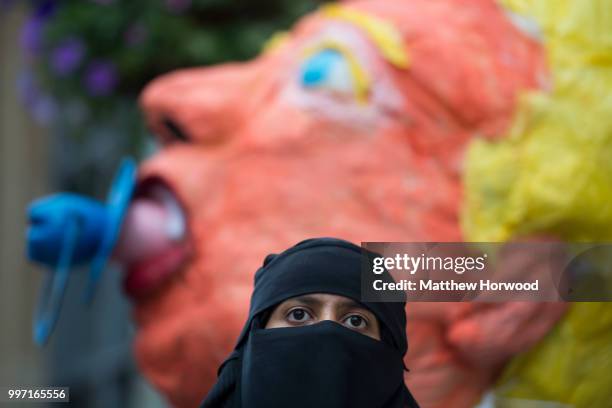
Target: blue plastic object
67	230
317	68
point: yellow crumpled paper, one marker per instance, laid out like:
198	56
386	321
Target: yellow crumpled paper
552	174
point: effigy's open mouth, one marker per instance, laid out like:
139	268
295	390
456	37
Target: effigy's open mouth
154	242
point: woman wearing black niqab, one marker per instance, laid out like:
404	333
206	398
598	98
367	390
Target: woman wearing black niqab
324	364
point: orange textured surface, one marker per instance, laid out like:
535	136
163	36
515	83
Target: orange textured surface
263	171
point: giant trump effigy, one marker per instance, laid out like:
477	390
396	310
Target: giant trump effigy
387	120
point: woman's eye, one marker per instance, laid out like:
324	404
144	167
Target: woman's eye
298	316
355	322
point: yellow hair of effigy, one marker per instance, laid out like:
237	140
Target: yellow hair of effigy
552	174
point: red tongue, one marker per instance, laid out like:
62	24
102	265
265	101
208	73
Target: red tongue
153	270
144	233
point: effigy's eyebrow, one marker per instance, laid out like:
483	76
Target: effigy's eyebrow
385	36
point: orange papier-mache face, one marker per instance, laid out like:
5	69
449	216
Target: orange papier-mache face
353	125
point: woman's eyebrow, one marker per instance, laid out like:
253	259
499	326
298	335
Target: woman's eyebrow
343	304
351	304
306	299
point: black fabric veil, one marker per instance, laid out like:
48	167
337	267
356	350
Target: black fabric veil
321	365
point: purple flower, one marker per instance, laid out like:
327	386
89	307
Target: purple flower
178	6
31	35
101	78
67	56
32	30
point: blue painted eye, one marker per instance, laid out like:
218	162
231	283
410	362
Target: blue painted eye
328	69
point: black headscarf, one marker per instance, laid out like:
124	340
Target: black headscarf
321	365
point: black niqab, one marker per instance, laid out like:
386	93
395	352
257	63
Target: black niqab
321	365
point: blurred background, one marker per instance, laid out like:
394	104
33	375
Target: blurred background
70	75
